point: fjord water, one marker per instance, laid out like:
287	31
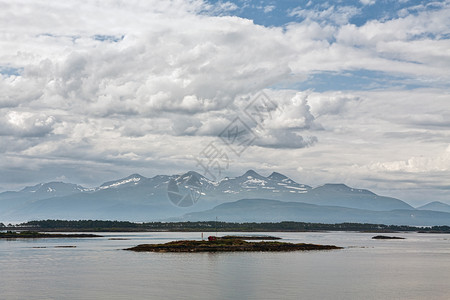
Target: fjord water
415	268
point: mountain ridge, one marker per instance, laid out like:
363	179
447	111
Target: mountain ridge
141	198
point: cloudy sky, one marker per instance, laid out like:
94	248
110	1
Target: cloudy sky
356	91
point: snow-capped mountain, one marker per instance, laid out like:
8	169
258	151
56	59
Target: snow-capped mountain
252	182
43	190
10	200
137	197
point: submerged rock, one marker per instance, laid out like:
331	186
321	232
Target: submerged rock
385	237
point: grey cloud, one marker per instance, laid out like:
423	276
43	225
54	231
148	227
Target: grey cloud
429	136
214	125
195	76
436	120
25	124
330	103
13	144
293	112
279	139
16	90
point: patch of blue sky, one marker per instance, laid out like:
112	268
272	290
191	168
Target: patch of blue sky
279	13
433	36
351	80
50	35
108	38
10	71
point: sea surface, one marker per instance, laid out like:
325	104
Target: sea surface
97	268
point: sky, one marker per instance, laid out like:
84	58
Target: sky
354	92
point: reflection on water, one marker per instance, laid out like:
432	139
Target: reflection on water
415	268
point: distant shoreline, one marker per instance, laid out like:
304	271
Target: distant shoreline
40	235
212	226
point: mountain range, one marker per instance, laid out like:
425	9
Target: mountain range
191	196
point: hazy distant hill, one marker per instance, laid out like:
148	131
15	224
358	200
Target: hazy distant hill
436	206
342	195
263	210
138	198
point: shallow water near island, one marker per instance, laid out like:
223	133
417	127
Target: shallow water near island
97	268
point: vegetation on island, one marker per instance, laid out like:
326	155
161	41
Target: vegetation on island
251	237
228	245
213	226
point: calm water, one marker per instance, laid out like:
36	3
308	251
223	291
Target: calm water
415	268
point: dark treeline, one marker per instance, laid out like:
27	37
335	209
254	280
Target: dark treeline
81	224
99	225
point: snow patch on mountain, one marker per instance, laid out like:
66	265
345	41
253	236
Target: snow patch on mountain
119	183
254	181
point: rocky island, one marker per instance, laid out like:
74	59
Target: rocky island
227	245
